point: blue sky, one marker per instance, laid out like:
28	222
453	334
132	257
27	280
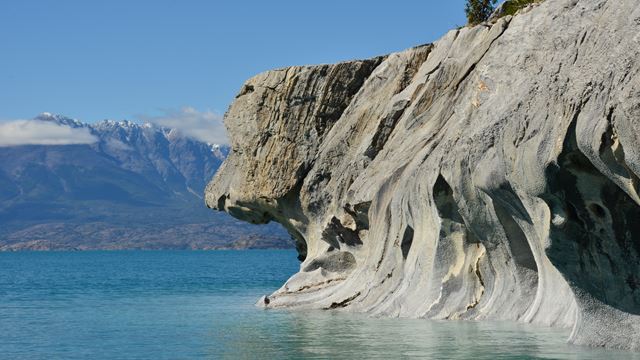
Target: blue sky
133	59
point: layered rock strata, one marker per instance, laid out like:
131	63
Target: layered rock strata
493	174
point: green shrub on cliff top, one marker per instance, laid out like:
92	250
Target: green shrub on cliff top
510	7
479	10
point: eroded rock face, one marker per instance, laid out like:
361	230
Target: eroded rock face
490	175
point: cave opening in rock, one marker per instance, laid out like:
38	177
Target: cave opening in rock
407	240
598	248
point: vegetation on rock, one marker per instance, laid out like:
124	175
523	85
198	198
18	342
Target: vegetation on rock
479	10
510	7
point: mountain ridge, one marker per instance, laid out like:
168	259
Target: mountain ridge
136	186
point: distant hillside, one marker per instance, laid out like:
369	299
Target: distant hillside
138	186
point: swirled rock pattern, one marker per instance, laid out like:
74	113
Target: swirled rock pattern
493	174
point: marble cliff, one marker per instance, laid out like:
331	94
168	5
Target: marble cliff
493	174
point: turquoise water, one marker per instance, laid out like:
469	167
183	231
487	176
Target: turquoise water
194	305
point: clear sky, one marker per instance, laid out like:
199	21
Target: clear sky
116	59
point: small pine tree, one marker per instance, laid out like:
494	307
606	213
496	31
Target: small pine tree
479	10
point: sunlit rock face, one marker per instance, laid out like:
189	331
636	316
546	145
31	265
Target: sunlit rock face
490	175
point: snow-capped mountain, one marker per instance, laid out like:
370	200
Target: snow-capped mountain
138	185
174	162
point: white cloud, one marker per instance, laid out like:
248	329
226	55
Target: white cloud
116	144
205	126
36	132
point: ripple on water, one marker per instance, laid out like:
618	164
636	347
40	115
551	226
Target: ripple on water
192	305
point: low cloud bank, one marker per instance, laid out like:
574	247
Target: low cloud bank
37	132
205	126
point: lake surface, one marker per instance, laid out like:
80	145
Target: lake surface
194	305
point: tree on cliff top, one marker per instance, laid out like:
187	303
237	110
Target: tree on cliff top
479	10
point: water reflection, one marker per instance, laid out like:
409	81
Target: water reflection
195	305
323	335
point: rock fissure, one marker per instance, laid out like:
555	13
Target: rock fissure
503	24
343	303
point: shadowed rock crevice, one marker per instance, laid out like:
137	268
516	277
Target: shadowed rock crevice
334	261
596	242
385	128
360	214
334	98
413	66
300	243
458	259
407	240
517	240
612	155
335	234
451	220
343	303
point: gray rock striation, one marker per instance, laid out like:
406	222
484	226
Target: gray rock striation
493	174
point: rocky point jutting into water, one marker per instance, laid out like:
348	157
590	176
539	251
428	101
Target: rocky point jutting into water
492	174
